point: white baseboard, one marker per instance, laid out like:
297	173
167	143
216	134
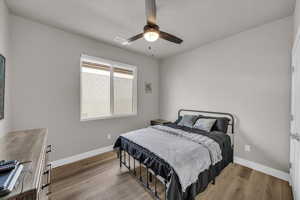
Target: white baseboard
262	168
75	158
253	165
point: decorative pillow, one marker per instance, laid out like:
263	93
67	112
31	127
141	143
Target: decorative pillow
188	120
221	124
205	124
178	120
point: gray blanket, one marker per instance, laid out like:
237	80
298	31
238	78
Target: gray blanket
187	153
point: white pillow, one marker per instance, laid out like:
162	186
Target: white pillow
188	120
204	124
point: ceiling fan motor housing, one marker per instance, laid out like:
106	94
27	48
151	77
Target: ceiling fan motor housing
151	28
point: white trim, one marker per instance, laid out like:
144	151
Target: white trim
295	46
111	92
108	62
75	158
262	168
253	165
108	117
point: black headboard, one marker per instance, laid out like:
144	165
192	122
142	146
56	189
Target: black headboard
217	114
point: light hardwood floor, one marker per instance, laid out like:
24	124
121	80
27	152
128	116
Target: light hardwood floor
105	181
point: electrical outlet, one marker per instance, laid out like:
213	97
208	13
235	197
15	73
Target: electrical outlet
247	148
109	136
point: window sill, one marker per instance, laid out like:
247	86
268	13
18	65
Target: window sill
108	117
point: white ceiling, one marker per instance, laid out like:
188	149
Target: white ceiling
196	21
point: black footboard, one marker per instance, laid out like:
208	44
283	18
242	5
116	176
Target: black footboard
132	164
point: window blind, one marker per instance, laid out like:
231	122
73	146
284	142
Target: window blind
107	68
95	66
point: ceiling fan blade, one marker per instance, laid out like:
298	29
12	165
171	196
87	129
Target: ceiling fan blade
150	11
170	37
134	38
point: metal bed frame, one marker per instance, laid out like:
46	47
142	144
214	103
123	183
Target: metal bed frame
231	122
145	184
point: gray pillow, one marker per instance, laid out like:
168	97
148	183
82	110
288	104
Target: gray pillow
205	124
188	120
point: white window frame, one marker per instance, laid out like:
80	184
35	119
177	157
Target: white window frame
112	64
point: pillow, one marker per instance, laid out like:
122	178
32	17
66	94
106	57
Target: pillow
188	120
220	125
205	124
178	120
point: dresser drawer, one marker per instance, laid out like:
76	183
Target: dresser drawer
44	186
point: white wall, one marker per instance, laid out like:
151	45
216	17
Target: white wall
5	124
46	87
248	75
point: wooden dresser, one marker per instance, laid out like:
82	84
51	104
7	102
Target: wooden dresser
30	147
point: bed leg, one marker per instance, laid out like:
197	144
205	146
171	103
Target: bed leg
134	171
140	171
165	189
150	177
155	187
125	163
147	176
120	157
129	162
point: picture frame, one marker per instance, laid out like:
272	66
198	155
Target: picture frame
2	85
148	88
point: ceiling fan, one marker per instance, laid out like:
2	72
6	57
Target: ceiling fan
151	30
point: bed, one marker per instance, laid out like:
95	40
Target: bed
184	158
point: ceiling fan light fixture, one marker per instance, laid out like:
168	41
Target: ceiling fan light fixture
151	35
152	31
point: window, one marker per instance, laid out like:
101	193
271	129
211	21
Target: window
108	89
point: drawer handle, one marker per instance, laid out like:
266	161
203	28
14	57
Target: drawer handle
48	172
49	148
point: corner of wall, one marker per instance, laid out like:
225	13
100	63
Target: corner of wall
6	123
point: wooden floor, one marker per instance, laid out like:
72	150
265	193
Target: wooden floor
106	181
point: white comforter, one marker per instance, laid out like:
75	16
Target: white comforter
187	153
